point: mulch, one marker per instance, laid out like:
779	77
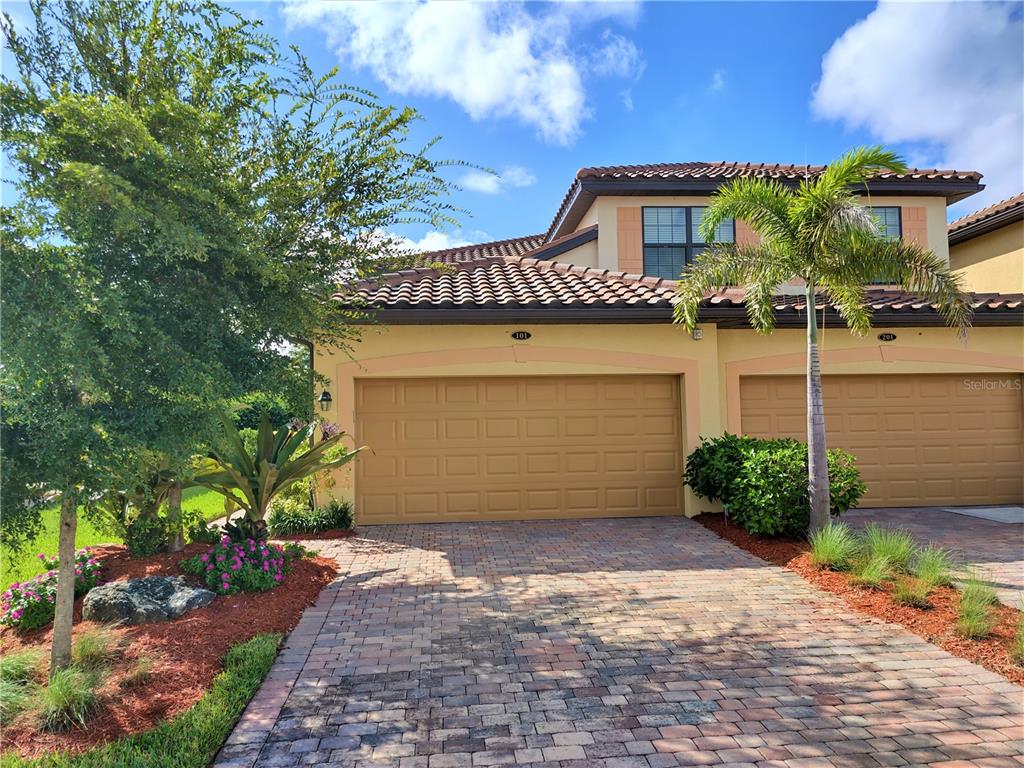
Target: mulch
935	624
186	653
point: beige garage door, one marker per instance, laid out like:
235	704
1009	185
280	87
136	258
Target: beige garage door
516	448
919	440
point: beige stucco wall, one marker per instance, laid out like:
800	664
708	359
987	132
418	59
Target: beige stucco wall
993	262
584	256
604	212
709	370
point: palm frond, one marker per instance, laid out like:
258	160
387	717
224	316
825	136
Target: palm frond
849	301
759	269
762	203
917	270
857	166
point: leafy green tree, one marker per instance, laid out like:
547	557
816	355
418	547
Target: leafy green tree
820	234
188	200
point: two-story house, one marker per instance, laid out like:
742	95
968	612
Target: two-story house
542	377
987	247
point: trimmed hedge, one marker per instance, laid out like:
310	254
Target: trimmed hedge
763	483
289	517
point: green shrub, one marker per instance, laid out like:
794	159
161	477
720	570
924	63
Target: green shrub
94	648
199	531
769	496
289	517
934	566
712	467
14	697
147	535
253	566
1017	644
255	405
871	572
975	617
67	700
895	546
911	591
20	667
834	546
190	740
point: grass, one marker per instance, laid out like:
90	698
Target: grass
140	673
193	738
23	564
93	649
14	697
67	700
934	566
834	546
871	572
975	617
1017	645
911	591
896	547
20	667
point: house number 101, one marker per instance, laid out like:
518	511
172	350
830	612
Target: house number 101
521	335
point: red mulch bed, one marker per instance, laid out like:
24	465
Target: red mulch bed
333	533
935	624
186	653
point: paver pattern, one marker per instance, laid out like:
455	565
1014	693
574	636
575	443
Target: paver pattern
994	550
642	643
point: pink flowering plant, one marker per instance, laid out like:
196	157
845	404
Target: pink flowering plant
248	566
30	604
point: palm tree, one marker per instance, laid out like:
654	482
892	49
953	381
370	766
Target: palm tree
820	234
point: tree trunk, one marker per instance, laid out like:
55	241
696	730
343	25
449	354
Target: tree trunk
177	542
60	646
817	461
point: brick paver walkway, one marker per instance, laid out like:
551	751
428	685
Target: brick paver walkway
644	643
994	550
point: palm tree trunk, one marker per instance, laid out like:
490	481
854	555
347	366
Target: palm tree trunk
817	462
177	542
60	645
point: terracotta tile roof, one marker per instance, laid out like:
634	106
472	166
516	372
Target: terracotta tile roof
515	246
510	281
707	175
994	216
725	171
524	284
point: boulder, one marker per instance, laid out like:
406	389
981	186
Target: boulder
138	601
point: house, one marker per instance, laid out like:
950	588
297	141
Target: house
987	247
541	376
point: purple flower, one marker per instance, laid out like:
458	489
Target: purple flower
329	430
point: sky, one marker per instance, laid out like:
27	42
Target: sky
534	91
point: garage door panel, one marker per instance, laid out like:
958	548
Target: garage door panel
919	440
518	448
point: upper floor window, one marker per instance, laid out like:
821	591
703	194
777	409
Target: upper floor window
672	238
890	223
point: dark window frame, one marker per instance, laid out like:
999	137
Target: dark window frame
689	248
899	216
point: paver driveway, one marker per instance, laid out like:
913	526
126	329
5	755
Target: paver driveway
615	643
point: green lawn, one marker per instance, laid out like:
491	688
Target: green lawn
18	566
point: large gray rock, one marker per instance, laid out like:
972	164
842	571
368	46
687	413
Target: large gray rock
138	601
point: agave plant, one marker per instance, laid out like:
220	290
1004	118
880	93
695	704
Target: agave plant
251	479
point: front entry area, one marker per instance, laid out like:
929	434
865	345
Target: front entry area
920	440
517	448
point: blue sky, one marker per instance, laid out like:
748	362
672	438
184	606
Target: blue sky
536	91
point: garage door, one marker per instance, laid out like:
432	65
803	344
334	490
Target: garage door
919	440
516	448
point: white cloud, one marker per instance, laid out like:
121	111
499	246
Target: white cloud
717	82
947	77
513	177
495	60
616	56
439	241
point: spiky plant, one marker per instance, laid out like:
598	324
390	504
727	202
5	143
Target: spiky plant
820	234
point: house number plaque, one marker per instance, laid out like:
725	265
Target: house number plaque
887	337
521	335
